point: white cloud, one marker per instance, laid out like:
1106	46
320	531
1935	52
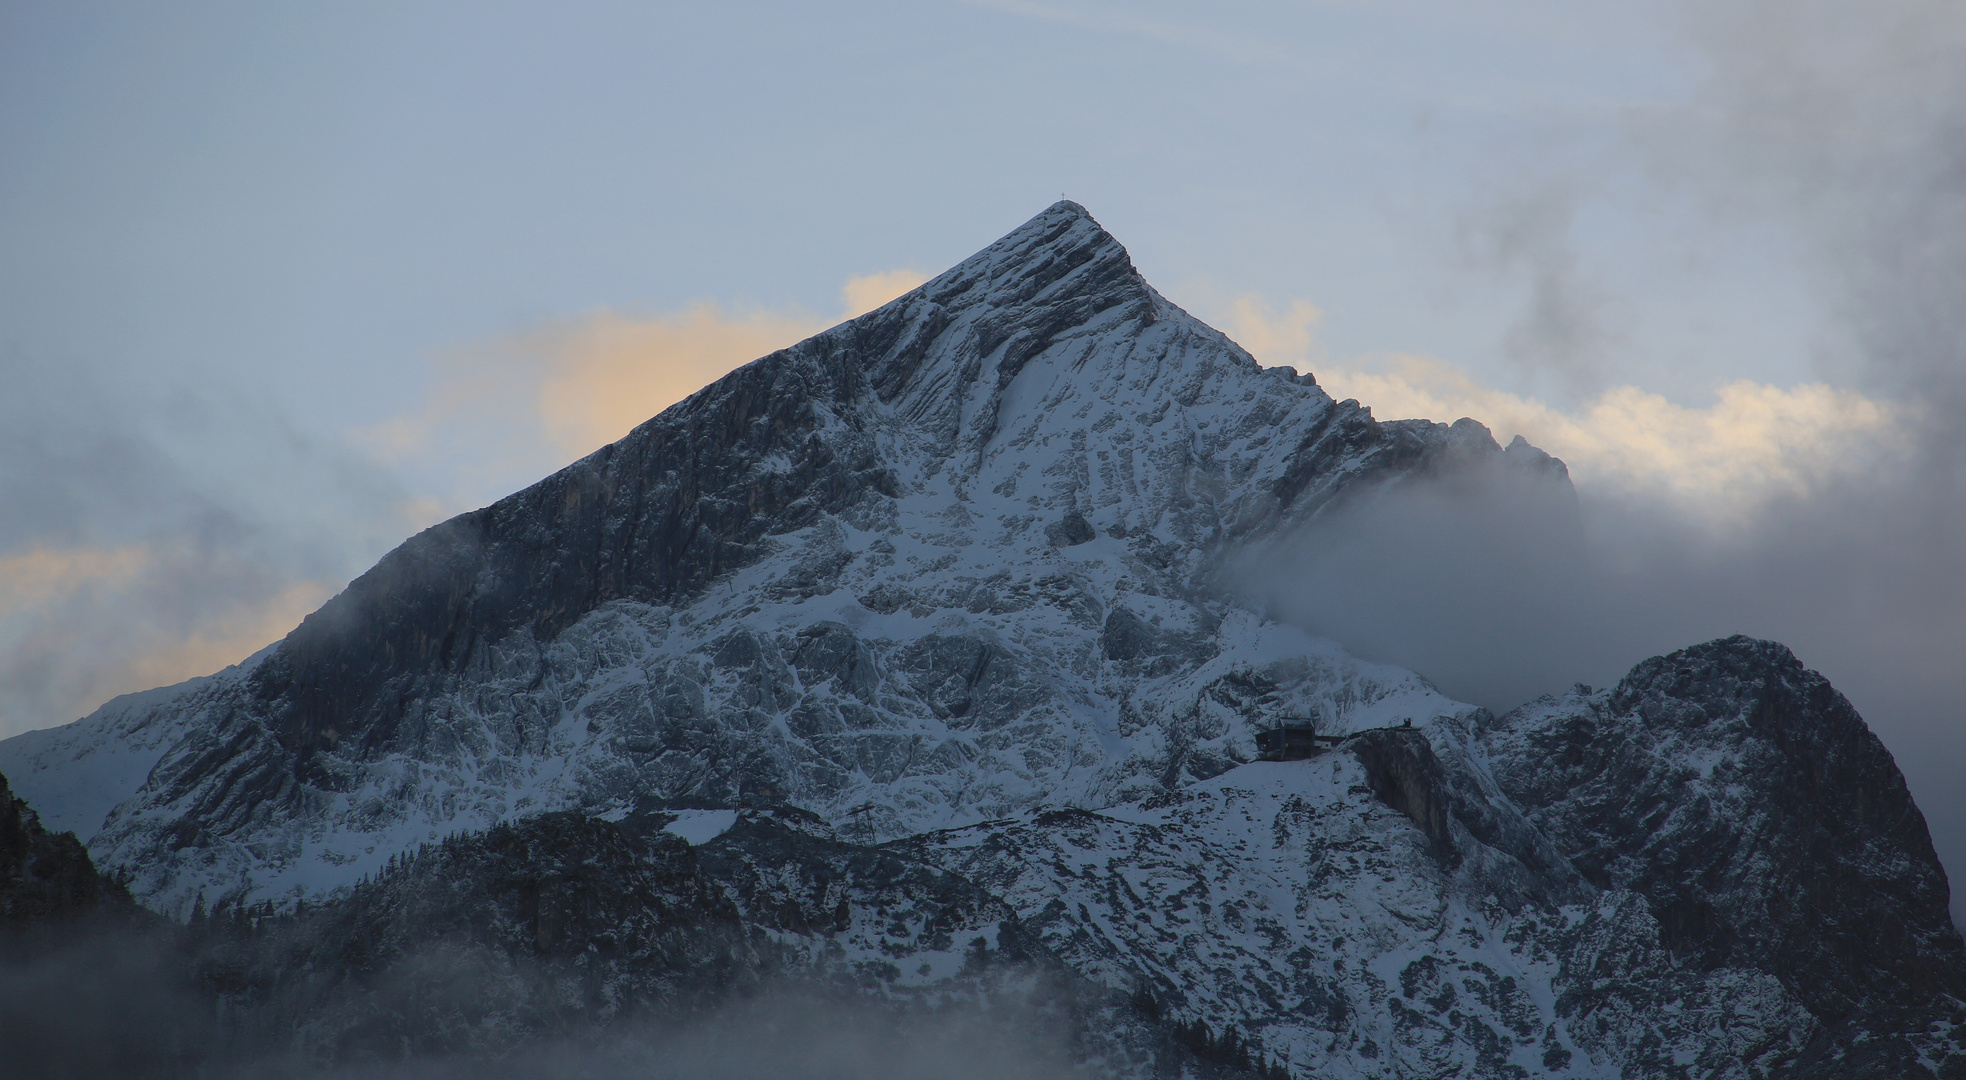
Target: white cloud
868	291
1753	442
1275	337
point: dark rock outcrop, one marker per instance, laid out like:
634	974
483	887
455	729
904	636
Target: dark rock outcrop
48	878
1406	776
1764	823
558	926
91	985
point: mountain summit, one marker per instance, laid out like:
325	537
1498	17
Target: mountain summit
946	588
945	561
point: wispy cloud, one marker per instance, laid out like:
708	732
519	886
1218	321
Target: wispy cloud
79	626
1754	442
31	579
866	292
1276	337
1719	461
153	534
1829	514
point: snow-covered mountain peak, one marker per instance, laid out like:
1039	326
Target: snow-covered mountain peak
949	560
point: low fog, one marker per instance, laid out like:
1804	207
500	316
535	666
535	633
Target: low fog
131	1001
786	1034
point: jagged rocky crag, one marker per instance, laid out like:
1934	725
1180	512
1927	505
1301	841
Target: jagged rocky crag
954	580
1767	829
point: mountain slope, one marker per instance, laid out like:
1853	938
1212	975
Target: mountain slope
1383	910
950	559
1762	821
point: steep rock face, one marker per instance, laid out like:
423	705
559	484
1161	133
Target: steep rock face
1765	825
74	775
1403	773
957	557
1347	915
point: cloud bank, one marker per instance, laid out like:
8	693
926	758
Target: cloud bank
1830	516
1754	442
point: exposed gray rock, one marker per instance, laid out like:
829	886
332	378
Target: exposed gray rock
1072	529
1763	823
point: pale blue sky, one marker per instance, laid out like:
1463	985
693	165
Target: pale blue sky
312	199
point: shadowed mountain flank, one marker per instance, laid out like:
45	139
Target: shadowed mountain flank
1757	813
